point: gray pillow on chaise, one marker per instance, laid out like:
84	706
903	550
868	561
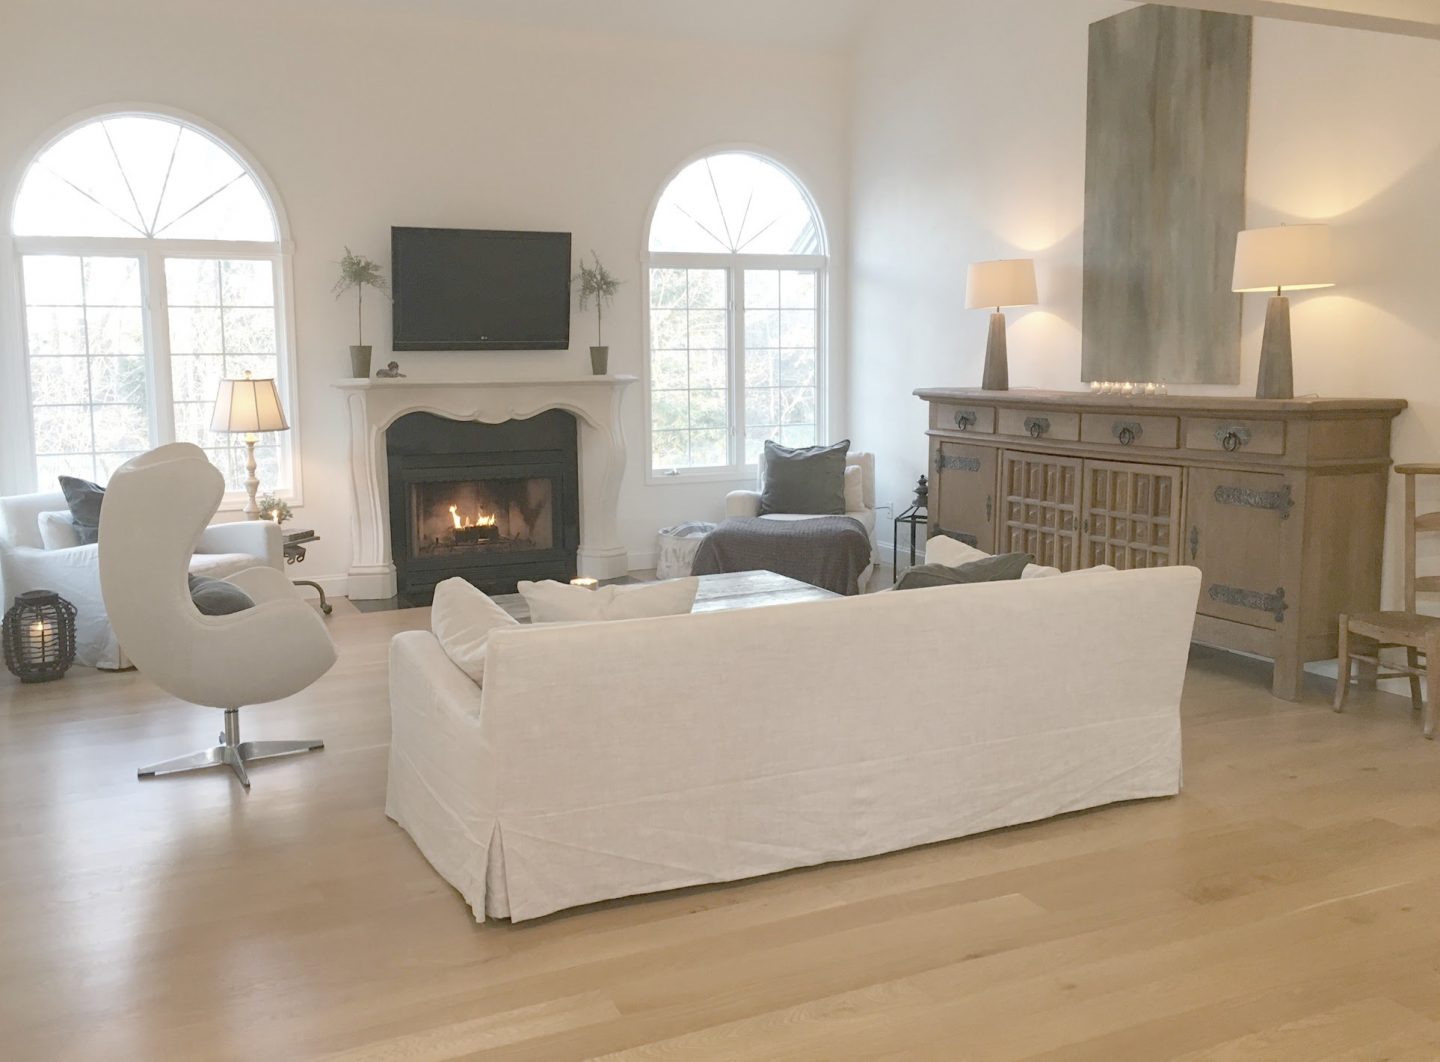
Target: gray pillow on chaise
84	499
807	480
216	597
989	570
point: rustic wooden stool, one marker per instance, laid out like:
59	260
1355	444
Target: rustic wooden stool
1420	635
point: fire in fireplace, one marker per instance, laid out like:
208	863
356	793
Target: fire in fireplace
491	503
453	517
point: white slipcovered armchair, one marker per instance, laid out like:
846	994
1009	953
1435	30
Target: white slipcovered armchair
40	550
747	502
264	653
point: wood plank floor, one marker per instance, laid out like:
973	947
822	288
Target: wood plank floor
1287	905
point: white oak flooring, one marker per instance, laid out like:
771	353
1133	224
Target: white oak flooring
1286	906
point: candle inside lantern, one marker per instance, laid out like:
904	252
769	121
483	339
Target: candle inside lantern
584	582
44	643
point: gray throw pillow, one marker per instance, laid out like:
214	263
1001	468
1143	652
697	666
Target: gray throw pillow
84	499
989	570
808	480
216	597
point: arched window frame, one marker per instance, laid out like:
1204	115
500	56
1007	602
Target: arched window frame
737	469
18	440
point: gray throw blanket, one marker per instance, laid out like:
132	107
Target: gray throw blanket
825	551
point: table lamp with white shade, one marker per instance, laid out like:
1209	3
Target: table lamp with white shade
1010	282
1280	259
250	406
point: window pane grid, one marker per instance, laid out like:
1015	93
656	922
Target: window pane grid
222	324
781	359
88	378
689	368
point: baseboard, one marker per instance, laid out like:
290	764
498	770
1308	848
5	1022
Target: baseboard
642	562
887	551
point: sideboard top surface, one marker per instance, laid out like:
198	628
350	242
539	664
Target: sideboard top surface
1228	404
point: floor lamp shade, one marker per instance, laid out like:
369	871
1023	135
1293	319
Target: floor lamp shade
250	406
1009	282
1279	259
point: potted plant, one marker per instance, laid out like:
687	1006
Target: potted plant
359	272
597	283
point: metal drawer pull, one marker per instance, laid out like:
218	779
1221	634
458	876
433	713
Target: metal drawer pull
1233	437
1127	431
965	419
1037	426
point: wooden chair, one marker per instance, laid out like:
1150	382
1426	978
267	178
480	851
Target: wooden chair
1420	635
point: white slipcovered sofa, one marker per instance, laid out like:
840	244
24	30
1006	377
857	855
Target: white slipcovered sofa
747	502
73	570
609	759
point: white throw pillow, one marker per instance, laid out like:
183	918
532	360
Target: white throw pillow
461	618
854	489
552	602
57	530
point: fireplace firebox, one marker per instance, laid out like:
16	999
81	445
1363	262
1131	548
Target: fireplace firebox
490	503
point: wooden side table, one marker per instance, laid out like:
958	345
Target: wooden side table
295	542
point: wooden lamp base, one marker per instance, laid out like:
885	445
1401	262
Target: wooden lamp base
1277	371
997	367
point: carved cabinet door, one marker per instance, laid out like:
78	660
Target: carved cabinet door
1040	497
964	493
1132	515
1235	523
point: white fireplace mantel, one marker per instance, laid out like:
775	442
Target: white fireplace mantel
375	404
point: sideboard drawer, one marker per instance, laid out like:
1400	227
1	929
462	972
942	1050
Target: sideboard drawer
1238	436
1121	429
1038	424
973	420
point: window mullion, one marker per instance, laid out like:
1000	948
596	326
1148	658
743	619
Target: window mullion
737	365
157	344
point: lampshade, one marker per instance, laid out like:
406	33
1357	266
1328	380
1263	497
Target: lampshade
248	405
1010	282
1294	257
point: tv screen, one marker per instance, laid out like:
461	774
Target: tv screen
477	289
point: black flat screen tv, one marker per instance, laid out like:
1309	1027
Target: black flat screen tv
478	289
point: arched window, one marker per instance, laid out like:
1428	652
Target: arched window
151	269
736	316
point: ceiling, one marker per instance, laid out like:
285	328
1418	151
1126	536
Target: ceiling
819	25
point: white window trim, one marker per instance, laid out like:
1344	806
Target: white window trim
19	439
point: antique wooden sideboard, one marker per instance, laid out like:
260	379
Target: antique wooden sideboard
1279	503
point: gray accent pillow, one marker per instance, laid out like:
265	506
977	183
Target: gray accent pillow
84	499
990	570
216	597
808	480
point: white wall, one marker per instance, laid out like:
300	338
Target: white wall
969	143
366	117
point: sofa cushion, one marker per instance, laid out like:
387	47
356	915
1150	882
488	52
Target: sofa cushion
552	601
461	618
808	480
986	570
57	530
942	549
84	499
222	565
216	597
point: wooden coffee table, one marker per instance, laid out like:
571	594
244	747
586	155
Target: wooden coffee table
718	593
732	590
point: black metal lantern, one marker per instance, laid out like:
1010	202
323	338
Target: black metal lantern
39	636
916	515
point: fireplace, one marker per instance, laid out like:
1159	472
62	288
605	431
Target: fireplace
490	503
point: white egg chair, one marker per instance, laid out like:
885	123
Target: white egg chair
156	507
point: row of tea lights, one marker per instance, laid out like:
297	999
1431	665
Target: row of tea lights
1129	387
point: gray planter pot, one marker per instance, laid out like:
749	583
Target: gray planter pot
360	362
599	360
